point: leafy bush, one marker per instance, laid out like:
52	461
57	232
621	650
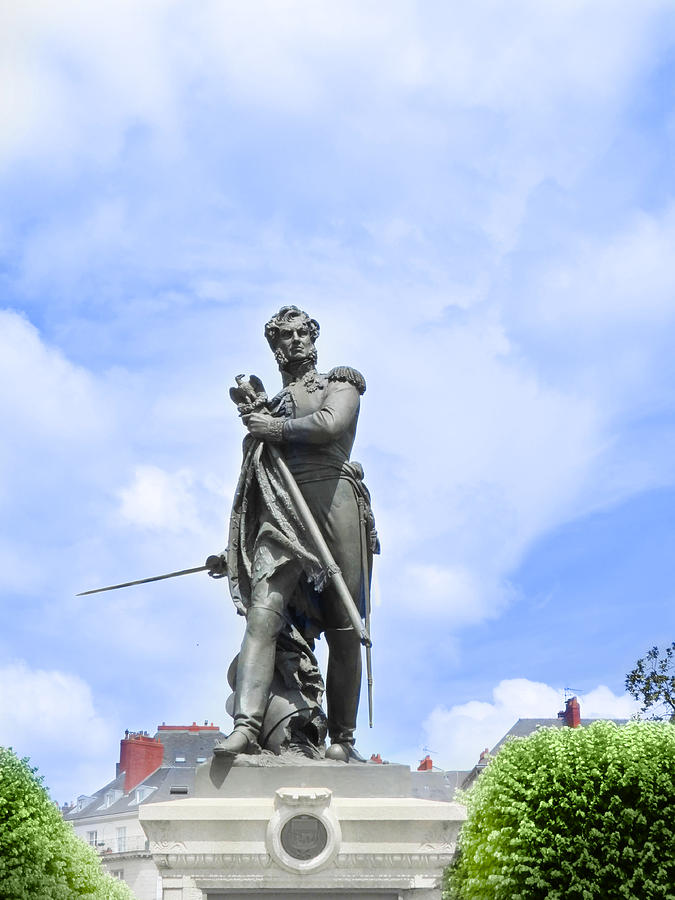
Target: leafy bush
40	856
573	813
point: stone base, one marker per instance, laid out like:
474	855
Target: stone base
329	830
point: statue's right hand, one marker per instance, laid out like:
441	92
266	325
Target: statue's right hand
217	564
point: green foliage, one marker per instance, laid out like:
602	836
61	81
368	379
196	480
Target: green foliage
40	856
653	681
574	813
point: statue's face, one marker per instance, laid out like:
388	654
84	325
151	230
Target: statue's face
294	340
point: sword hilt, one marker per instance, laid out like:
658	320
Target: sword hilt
217	564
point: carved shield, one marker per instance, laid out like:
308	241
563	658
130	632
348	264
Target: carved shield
303	837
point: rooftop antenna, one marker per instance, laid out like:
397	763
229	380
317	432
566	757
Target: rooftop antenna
571	692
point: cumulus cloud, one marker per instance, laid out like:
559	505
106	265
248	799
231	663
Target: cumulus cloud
494	456
453	595
59	426
177	171
56	418
51	716
46	396
159	500
54	705
458	735
602	286
68	78
540	70
599	308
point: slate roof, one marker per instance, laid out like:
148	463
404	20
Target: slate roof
194	747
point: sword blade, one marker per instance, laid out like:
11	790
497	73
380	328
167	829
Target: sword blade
114	587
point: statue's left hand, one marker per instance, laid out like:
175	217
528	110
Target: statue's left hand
264	427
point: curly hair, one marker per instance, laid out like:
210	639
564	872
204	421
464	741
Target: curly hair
284	317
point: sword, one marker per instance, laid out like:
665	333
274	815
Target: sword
365	575
214	565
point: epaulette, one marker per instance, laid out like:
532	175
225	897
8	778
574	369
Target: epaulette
345	373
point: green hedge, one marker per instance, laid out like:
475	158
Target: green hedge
572	813
40	856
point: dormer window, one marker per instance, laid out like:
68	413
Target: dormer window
111	797
141	793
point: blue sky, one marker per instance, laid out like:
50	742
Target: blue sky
477	204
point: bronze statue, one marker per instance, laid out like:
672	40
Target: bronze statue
291	579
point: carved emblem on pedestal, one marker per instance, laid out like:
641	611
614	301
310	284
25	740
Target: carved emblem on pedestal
304	837
303	834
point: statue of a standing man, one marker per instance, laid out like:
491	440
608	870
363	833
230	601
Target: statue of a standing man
276	579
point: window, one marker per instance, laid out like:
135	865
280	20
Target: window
92	838
111	797
121	839
117	873
140	794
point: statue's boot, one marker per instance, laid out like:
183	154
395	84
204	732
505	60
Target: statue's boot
255	669
343	686
344	753
233	744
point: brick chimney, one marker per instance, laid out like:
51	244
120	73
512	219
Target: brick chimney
140	755
571	715
426	764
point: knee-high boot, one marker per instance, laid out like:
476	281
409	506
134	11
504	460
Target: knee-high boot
255	669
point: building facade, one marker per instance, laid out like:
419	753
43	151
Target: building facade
150	769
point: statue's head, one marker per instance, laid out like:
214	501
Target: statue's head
292	334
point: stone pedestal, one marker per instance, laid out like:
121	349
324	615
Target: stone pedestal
301	831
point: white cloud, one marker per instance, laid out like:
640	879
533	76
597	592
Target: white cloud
182	170
77	73
71	88
59	427
459	734
609	290
480	456
601	702
51	706
45	395
159	500
50	716
453	595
